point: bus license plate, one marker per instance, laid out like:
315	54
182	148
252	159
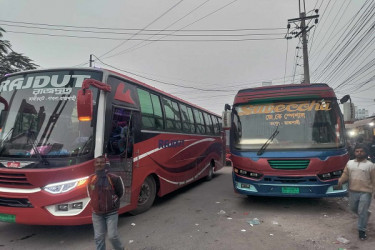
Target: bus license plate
7	218
290	190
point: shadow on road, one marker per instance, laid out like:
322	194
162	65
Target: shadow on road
295	204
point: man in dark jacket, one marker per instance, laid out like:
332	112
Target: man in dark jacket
105	190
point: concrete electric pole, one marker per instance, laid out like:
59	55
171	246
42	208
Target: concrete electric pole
300	24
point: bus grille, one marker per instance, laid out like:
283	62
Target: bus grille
13	179
289	164
15	202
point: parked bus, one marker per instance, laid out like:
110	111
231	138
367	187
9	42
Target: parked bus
55	122
287	140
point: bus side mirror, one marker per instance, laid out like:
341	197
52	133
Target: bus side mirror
227	121
345	99
84	105
349	113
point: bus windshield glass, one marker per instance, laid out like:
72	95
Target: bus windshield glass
39	114
311	124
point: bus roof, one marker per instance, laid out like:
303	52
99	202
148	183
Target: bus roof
111	72
284	92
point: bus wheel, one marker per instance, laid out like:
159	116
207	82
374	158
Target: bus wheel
146	196
210	173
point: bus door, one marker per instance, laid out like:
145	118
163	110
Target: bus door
119	147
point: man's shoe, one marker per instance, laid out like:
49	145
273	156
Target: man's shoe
362	235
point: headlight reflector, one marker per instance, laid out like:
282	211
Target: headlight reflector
65	186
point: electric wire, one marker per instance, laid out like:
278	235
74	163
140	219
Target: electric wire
154	34
136	46
155	80
152	40
155	20
341	45
144	30
211	13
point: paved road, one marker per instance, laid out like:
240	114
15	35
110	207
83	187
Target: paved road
209	215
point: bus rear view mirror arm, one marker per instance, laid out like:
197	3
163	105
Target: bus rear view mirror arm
85	100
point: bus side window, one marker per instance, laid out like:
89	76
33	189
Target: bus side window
187	119
199	122
216	125
158	114
209	124
172	115
152	115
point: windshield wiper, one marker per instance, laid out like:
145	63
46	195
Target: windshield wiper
35	147
87	143
6	138
269	140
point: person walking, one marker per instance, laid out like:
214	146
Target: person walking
105	191
371	146
360	173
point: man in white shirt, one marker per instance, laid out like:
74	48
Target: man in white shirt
360	173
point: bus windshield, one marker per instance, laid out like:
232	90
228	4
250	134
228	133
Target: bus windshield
311	124
39	114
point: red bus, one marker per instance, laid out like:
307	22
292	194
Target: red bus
55	122
287	140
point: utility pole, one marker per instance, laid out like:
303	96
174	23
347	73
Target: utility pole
91	60
303	32
306	69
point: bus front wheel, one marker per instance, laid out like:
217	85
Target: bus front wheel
210	173
146	196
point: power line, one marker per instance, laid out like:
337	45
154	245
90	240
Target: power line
141	39
342	44
122	43
170	25
163	82
227	85
211	13
144	30
154	34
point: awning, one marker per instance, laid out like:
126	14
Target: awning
360	123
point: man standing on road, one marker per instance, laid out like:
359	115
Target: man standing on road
105	190
360	173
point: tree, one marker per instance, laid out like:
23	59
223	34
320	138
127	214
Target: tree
11	61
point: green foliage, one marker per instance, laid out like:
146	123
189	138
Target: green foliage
11	61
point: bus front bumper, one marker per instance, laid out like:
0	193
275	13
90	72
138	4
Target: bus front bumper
305	187
44	209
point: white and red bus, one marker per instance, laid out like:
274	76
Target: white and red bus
55	122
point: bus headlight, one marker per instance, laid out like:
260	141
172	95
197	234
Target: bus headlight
247	173
331	175
65	186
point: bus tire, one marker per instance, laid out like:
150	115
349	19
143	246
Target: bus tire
146	196
210	173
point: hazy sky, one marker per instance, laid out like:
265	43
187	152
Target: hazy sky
218	45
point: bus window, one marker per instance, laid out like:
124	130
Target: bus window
172	115
187	119
151	110
158	114
215	121
199	123
208	121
